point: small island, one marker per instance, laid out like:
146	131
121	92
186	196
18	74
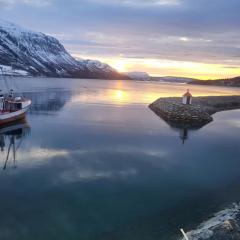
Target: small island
192	112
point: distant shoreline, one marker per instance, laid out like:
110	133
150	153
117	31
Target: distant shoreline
233	82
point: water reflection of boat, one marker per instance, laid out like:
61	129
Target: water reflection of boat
49	101
11	138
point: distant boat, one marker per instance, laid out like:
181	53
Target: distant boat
12	107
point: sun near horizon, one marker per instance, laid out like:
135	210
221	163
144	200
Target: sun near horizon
163	67
161	37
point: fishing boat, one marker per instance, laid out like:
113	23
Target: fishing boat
12	107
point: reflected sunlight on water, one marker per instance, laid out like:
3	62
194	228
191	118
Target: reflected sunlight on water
131	92
98	164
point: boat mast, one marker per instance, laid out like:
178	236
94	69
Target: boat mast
15	86
5	82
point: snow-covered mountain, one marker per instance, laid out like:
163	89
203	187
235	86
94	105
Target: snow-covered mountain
97	67
41	55
139	76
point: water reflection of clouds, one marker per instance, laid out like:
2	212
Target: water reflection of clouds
124	161
37	155
91	165
228	119
109	165
76	175
234	123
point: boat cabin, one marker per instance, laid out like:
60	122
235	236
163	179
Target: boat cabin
12	105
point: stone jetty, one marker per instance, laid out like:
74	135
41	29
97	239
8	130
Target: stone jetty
194	115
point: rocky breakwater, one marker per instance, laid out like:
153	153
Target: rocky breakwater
195	115
224	225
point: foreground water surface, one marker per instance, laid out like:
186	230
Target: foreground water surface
94	162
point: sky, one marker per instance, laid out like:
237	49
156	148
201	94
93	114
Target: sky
189	38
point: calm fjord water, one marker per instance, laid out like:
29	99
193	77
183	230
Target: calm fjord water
93	162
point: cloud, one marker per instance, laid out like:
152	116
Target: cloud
177	30
35	3
140	3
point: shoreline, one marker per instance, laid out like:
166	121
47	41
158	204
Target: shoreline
223	225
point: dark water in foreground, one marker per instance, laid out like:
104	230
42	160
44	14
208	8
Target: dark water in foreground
94	162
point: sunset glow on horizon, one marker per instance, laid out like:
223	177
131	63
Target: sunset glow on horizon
159	68
161	37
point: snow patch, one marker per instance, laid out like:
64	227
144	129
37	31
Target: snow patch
139	76
94	65
9	71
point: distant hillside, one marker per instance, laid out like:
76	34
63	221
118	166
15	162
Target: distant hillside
231	82
173	79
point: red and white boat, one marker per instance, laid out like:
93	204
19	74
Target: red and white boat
13	108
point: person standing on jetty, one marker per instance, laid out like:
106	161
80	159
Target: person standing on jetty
187	98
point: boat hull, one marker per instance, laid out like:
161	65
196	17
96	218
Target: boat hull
6	118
